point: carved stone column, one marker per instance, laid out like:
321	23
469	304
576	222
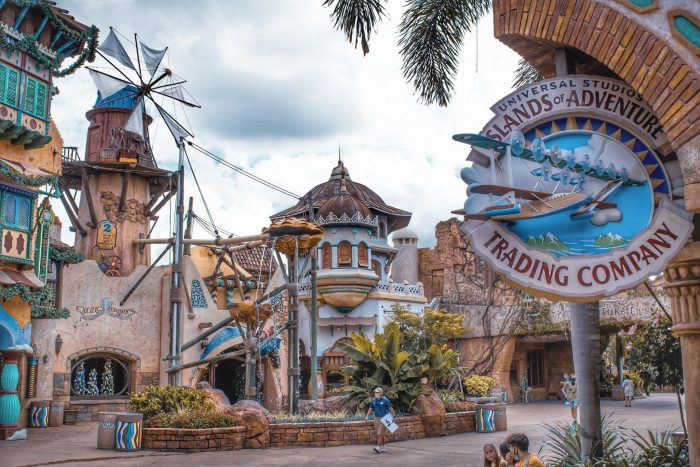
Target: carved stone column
683	287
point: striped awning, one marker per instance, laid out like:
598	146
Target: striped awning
28	278
349	321
26	170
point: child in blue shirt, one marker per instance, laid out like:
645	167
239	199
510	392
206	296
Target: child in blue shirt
380	406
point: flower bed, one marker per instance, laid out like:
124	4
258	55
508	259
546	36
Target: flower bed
188	440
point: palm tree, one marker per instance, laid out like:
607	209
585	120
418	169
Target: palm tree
430	37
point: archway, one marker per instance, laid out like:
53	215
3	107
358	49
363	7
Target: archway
229	376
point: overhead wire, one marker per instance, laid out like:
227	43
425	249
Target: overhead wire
242	171
199	188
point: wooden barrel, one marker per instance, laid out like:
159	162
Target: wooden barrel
128	432
485	418
39	414
56	413
106	429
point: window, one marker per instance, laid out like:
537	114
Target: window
362	255
99	375
35	93
9	78
535	368
377	268
327	256
17	212
344	253
438	282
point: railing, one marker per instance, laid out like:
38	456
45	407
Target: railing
389	286
70	154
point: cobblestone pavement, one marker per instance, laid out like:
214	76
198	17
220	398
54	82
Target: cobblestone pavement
76	445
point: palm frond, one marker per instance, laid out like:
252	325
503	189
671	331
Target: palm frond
526	74
430	38
356	19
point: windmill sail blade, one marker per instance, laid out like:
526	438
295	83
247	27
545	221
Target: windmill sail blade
176	93
152	57
135	122
177	130
106	84
114	48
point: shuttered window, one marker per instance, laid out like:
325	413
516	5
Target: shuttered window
35	97
327	256
8	85
362	255
344	254
17	212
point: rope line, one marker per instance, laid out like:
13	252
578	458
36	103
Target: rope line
242	171
204	200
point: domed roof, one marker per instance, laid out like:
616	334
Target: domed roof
405	233
397	218
344	208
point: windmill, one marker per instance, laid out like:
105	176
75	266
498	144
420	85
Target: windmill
147	81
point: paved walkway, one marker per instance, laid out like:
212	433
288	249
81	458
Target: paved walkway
76	445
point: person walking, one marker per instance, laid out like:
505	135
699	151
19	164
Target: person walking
571	392
628	389
524	388
380	406
564	384
519	445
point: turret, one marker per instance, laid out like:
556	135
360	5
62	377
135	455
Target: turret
405	265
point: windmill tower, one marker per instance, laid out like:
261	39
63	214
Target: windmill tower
122	189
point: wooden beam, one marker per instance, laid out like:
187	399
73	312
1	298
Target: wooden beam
88	198
213	241
69	210
154	199
126	176
41	27
56	38
160	205
20	17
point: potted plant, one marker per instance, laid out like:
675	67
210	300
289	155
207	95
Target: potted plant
70	414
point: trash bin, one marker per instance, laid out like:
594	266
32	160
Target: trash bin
485	418
39	414
500	417
500	394
106	429
56	413
128	432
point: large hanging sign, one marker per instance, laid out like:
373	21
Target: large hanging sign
567	197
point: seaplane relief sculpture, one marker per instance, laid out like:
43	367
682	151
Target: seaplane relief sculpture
583	194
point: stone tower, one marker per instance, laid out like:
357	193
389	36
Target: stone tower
405	266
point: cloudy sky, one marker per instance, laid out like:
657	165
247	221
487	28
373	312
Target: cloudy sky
281	90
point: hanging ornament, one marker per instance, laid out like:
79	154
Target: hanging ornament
79	384
107	379
92	388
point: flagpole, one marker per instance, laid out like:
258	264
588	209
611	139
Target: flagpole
175	378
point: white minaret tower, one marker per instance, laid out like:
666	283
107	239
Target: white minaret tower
405	266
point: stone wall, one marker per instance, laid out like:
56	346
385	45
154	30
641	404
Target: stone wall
89	409
360	432
180	440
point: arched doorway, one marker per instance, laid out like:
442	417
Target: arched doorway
229	376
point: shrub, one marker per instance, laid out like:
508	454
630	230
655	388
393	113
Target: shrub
316	417
450	395
156	400
192	419
460	406
479	386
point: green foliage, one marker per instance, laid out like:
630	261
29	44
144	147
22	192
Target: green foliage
618	447
157	400
460	406
479	386
49	312
356	19
654	353
61	256
318	417
526	74
26	294
430	327
398	372
192	419
450	395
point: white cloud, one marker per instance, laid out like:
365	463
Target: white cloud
281	89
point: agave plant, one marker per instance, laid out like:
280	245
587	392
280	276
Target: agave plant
381	363
657	450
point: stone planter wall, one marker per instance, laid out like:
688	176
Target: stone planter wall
360	432
181	440
459	422
89	409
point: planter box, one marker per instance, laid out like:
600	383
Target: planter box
183	440
70	416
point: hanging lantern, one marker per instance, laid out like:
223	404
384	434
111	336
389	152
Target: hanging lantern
292	234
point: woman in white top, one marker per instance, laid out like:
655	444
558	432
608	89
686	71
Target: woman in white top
628	388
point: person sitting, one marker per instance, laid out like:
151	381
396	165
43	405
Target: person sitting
519	445
491	456
506	456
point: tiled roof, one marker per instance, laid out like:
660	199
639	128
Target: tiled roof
256	261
